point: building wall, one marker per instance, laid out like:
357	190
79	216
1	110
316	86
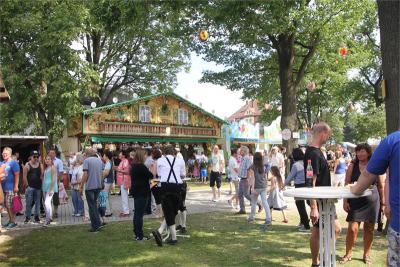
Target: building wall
68	144
164	110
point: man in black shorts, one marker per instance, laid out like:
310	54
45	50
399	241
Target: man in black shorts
217	165
321	177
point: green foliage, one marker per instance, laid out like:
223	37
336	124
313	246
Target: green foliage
271	50
57	55
42	72
131	47
364	125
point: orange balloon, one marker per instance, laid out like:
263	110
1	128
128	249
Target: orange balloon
203	35
343	51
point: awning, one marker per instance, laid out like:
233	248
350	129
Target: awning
116	139
21	139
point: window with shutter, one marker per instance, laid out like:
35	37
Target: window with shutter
183	116
144	113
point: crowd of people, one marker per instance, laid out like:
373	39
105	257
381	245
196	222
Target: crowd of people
155	178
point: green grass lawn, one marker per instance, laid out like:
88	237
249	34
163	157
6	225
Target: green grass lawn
217	239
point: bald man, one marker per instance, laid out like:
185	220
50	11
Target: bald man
322	177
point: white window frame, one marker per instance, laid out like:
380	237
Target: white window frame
144	113
183	116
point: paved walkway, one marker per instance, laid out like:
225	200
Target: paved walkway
197	201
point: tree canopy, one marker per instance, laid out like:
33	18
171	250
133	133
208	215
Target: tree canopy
272	49
56	56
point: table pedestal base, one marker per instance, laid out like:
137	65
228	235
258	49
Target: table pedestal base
327	240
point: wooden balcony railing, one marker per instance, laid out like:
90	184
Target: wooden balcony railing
154	129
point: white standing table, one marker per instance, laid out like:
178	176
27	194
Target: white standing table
326	198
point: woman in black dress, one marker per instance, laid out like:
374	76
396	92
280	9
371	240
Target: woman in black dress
364	209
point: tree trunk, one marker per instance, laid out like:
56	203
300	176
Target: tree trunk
45	126
288	88
389	21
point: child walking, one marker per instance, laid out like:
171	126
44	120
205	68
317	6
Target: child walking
275	197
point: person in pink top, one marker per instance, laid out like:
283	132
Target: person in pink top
124	181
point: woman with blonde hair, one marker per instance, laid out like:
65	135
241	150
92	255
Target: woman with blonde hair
49	187
76	180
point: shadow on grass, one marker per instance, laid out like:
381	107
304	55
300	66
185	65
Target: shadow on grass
216	239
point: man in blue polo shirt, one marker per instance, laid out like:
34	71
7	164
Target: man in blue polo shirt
10	185
387	155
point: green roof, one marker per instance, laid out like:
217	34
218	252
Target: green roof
153	96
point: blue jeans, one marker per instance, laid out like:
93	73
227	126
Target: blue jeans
77	202
91	198
243	193
263	193
31	195
140	207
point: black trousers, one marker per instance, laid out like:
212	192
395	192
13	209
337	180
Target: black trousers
157	194
140	207
182	206
171	201
301	208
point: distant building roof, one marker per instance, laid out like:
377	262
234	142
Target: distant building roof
250	109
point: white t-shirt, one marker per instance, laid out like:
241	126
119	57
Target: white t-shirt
163	169
71	162
77	173
233	164
278	160
217	161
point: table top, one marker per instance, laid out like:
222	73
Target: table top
323	192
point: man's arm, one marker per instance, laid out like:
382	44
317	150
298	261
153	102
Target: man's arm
366	179
83	182
25	175
106	172
386	206
16	181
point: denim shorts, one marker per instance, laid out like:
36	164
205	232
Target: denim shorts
393	248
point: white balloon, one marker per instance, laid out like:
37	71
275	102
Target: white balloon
311	86
93	104
115	100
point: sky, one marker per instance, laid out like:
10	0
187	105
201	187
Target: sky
213	97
